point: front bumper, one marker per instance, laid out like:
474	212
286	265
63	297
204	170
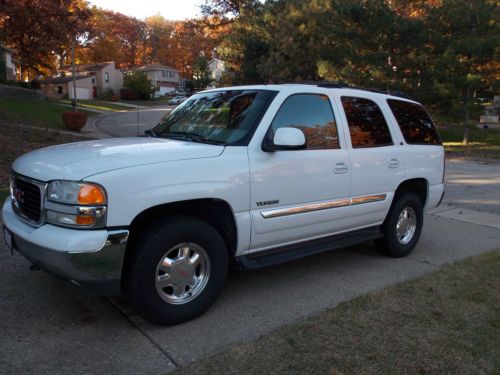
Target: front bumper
90	259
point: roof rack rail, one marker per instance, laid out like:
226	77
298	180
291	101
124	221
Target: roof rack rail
344	85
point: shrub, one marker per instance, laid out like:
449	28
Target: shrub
129	94
74	120
107	94
139	82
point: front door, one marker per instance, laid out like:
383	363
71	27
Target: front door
300	195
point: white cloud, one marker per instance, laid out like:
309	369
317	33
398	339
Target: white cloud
170	9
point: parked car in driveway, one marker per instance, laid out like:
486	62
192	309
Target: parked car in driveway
250	176
178	99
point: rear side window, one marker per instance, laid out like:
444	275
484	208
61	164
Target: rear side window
367	124
311	113
415	123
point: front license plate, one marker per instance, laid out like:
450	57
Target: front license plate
7	236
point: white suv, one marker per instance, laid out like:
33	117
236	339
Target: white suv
251	176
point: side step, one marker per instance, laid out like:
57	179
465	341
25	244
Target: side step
288	253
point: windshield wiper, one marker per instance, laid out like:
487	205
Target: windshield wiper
189	137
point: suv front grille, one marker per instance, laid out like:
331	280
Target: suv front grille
27	199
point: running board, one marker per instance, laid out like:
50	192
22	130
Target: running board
288	253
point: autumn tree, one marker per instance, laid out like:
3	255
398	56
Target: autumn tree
42	30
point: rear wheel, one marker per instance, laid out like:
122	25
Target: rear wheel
178	269
403	226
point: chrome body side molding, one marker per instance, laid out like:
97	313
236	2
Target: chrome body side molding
323	206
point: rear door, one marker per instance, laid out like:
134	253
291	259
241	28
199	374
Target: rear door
376	158
304	194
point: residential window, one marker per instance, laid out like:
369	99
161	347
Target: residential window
414	122
106	77
164	73
93	81
367	124
312	114
60	90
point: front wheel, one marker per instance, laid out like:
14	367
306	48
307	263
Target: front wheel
178	269
403	226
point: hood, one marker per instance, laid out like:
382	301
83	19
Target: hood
75	161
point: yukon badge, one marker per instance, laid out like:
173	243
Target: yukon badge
268	203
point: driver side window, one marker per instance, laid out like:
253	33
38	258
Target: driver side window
313	114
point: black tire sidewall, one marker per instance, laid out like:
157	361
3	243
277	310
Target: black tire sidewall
161	237
392	245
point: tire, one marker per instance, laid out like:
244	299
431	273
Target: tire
173	253
401	243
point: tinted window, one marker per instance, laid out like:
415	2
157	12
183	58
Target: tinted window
414	122
313	115
366	122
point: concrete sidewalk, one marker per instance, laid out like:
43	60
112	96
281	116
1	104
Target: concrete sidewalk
48	327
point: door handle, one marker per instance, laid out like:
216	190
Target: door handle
393	163
340	168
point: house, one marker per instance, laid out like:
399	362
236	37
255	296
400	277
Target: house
92	80
165	79
6	58
217	69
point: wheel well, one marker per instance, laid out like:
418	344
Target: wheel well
414	185
216	212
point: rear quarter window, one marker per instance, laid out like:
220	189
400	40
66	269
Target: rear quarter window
415	124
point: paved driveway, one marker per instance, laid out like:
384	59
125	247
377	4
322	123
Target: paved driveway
129	123
48	327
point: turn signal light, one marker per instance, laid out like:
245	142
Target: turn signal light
91	194
85	220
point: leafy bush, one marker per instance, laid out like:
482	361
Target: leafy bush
107	94
74	120
140	83
129	94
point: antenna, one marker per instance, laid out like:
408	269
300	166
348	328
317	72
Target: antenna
137	132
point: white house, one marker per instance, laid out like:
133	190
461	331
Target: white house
91	81
165	79
10	63
217	69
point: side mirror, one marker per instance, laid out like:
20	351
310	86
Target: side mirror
286	138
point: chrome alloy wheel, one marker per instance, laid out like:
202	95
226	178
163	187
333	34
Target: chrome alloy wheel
182	273
406	225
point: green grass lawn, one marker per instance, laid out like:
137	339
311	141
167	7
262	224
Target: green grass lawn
483	143
447	322
149	103
97	104
36	112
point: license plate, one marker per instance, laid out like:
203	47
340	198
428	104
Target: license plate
7	237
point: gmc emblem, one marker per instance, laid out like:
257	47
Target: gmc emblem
18	194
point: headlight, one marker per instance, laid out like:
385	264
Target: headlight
76	204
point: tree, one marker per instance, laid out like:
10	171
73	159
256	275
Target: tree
201	73
40	30
465	49
3	68
139	82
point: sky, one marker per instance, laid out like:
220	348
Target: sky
169	9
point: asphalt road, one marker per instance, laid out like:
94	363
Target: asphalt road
129	123
47	326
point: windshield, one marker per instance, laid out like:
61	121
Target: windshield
221	117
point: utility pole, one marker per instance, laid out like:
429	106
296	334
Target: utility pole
73	102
